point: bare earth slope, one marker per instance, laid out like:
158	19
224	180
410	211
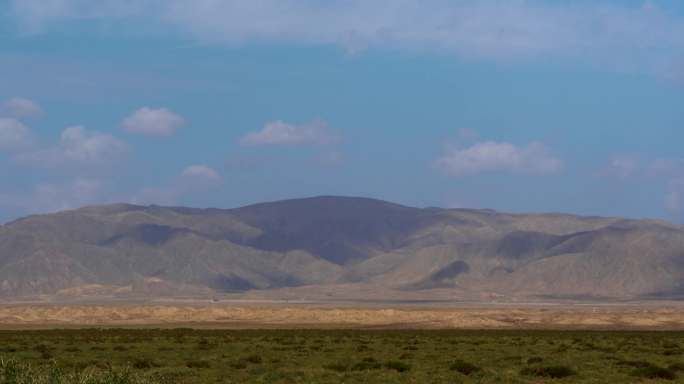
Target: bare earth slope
336	248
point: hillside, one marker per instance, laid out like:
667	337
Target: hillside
337	248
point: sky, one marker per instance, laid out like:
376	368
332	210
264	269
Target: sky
519	106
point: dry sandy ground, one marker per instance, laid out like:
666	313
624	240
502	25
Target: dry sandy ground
243	315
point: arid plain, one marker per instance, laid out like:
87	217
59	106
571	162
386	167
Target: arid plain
270	315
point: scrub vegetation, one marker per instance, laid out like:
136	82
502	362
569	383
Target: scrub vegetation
334	356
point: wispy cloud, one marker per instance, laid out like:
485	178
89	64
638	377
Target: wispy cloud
201	172
279	132
14	136
77	146
153	122
628	167
619	36
20	108
490	156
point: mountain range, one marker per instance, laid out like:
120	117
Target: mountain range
337	248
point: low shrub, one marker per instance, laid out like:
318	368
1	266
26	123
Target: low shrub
205	345
672	352
337	367
366	364
144	363
654	372
464	367
553	371
253	359
80	365
44	351
198	364
398	366
238	365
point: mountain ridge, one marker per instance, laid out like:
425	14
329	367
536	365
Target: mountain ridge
331	247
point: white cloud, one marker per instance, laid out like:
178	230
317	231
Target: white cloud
20	108
14	136
202	172
153	122
77	146
620	36
282	133
535	158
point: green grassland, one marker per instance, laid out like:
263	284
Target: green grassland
345	356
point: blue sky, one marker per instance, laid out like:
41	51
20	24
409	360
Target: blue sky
523	106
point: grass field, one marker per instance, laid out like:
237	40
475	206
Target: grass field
321	356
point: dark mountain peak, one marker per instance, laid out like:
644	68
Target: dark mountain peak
339	229
327	205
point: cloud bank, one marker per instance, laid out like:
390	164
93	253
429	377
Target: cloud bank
617	35
490	156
